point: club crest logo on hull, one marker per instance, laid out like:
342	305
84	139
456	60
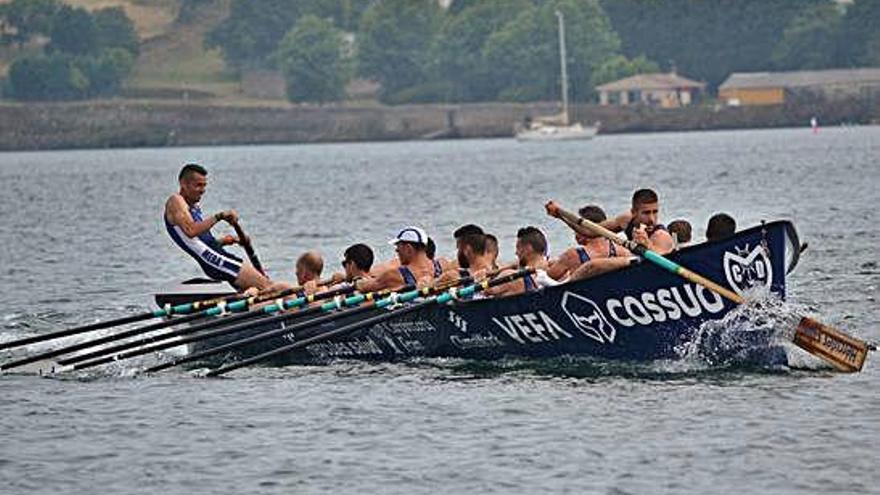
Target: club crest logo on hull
588	318
747	269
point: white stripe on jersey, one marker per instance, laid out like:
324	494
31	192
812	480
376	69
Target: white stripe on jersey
196	247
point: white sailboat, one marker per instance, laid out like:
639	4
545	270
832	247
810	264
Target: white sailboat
557	128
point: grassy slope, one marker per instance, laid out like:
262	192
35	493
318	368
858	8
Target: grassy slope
151	18
177	58
172	55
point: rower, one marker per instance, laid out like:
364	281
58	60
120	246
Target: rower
721	226
357	261
681	232
465	230
590	247
473	253
308	268
441	264
530	248
492	249
415	266
642	223
308	271
392	264
191	232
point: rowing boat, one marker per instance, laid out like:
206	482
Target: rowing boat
639	313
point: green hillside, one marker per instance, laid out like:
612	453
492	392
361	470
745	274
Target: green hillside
172	56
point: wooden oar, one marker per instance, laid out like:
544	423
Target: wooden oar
159	313
245	242
443	298
844	352
280	305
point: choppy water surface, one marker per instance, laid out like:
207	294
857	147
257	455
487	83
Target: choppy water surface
83	240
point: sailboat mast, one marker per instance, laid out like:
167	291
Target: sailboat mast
562	64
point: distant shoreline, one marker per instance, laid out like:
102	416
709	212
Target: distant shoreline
157	123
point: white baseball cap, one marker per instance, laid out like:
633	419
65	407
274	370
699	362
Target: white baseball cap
411	234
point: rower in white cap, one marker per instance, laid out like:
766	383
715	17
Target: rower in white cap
415	266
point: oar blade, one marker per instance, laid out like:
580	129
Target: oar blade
844	352
41	367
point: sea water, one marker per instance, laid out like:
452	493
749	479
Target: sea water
83	240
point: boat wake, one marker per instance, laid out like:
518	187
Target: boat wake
17	325
752	338
755	337
756	334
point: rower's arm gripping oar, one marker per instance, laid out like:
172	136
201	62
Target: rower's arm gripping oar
248	247
585	226
844	352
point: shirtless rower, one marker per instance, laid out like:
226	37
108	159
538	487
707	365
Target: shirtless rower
415	267
590	247
642	223
191	232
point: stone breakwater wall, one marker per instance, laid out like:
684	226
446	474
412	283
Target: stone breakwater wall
127	123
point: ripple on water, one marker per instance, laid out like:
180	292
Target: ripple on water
722	419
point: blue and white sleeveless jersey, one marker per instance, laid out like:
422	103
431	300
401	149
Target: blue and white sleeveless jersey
215	262
584	256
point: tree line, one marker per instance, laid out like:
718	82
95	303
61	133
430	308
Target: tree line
506	50
710	39
84	54
474	50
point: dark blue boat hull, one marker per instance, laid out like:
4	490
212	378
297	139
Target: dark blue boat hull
640	313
